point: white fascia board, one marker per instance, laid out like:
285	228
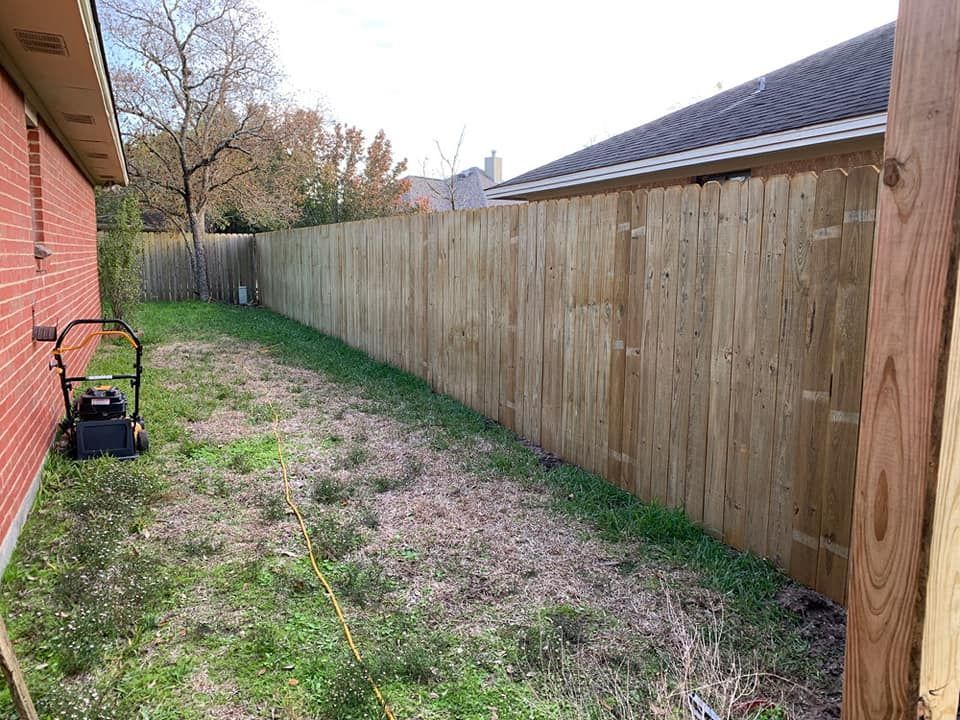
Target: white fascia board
851	128
100	66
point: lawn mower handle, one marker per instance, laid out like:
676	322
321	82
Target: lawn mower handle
66	382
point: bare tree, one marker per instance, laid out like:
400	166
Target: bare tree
193	80
446	189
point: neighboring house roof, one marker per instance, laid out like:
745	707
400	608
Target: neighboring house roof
468	190
53	50
837	93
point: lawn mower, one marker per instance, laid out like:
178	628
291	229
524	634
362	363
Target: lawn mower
97	422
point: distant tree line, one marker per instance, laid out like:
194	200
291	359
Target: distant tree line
210	142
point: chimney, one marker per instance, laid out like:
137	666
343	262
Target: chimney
493	166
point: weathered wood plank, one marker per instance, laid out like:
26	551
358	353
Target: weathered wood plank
786	439
604	309
633	328
533	325
509	239
553	324
853	289
494	311
570	409
687	254
655	262
747	505
666	337
619	298
707	295
816	318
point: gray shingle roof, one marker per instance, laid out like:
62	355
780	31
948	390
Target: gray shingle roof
468	188
848	80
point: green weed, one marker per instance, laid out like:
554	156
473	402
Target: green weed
273	509
328	490
361	583
335	538
355	456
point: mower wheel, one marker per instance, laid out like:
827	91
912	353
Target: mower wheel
143	440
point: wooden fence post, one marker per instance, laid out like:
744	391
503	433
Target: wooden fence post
10	669
903	636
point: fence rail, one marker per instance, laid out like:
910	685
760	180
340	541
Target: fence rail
168	274
700	347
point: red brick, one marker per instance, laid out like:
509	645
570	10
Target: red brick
68	289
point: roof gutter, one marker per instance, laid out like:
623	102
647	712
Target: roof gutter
100	58
851	128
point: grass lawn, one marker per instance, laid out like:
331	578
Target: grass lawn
481	580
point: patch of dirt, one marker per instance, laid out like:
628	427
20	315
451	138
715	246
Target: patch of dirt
546	460
824	627
177	355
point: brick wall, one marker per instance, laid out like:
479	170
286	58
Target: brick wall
43	197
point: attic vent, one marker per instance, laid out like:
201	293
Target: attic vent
78	118
41	42
98	156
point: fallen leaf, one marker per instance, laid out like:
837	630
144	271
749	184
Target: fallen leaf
293	682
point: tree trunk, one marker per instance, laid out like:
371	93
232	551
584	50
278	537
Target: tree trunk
200	278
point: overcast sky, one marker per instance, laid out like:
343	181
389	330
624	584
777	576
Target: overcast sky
533	80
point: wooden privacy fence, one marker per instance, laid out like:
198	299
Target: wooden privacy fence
701	347
167	273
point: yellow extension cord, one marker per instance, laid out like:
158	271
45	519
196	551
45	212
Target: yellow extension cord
348	636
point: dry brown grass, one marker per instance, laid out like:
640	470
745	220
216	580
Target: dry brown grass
481	555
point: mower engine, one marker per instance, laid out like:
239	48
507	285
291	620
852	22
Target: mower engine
101	424
104	402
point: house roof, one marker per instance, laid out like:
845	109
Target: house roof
54	52
469	191
849	80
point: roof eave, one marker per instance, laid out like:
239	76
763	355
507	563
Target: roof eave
834	131
44	86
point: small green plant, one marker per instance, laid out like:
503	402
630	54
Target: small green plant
368	517
348	694
363	583
412	469
120	258
201	547
274	509
410	652
771	713
557	630
335	539
328	490
354	457
384	483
